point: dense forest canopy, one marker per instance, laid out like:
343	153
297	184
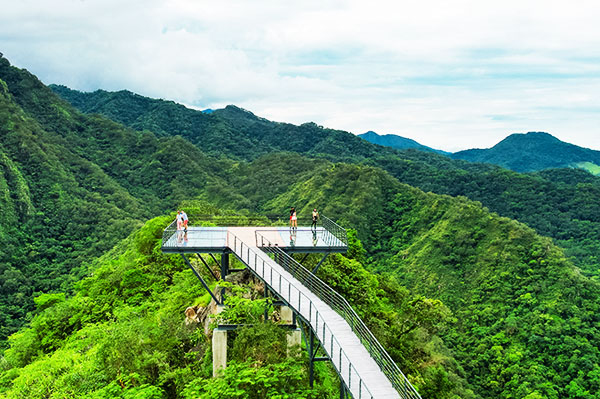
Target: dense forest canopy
561	203
534	151
468	301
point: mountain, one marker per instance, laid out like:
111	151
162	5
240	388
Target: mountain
534	151
491	309
566	209
398	142
72	186
470	304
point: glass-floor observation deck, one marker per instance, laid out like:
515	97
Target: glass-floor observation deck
327	236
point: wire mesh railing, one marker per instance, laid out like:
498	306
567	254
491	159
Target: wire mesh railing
169	232
343	308
336	230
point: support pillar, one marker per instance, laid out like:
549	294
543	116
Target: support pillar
287	314
294	337
219	352
224	265
294	340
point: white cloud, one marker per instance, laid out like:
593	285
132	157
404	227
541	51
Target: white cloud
451	75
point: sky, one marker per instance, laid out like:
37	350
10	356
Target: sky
449	74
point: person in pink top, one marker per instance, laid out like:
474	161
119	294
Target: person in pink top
293	218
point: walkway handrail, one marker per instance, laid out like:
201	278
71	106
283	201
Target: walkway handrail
322	331
343	308
335	229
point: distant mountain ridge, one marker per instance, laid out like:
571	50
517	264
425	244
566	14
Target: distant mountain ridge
398	142
534	151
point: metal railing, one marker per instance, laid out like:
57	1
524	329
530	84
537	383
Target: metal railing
168	232
257	261
240	220
335	229
334	233
343	308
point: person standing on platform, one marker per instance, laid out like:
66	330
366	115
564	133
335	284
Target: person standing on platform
184	217
179	227
293	218
315	218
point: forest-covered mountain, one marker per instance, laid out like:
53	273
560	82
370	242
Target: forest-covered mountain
397	142
469	303
534	151
561	204
72	186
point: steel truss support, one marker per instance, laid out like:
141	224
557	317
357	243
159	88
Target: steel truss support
304	257
201	279
208	267
312	348
215	259
314	271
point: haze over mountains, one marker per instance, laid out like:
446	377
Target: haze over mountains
481	282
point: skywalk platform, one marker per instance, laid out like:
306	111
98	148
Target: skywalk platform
365	369
215	239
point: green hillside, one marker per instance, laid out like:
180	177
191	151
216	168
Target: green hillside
123	334
589	166
566	210
514	295
72	186
469	303
532	151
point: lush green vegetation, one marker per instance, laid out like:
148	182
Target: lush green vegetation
72	186
566	210
395	141
123	334
470	304
590	167
533	151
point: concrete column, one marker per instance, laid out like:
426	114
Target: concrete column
294	337
219	351
287	314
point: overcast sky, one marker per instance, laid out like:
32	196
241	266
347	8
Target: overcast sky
449	74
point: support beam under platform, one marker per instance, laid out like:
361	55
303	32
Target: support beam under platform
316	269
201	279
207	267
